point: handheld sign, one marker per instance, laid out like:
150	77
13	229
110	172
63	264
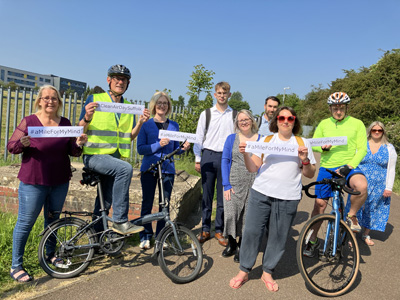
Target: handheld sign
334	141
270	148
54	131
178	136
122	108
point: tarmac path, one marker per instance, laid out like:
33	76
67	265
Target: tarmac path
135	275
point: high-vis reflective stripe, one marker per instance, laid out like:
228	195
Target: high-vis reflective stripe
105	136
113	146
109	133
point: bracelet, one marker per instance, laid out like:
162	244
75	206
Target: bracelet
306	163
87	121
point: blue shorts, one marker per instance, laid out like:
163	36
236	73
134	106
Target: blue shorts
324	191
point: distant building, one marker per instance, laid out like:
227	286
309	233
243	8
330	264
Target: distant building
31	80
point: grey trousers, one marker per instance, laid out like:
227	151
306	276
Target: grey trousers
266	212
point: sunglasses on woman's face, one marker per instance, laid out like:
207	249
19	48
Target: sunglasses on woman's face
282	119
377	130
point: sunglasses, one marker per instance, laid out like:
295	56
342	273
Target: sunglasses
290	119
377	130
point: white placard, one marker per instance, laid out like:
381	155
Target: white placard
122	108
178	136
271	148
334	141
54	131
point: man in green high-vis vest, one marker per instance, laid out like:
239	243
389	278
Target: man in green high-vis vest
109	139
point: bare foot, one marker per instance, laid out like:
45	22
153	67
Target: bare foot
367	240
270	283
240	279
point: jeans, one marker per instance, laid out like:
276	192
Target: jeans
115	183
31	200
266	212
149	183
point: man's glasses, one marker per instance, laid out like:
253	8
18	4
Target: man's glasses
162	103
377	130
337	108
244	121
49	99
282	119
120	78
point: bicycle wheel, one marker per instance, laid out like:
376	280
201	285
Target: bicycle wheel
181	266
324	273
72	247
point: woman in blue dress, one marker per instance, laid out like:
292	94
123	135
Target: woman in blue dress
379	169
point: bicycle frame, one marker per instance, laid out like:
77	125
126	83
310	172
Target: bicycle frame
337	205
337	183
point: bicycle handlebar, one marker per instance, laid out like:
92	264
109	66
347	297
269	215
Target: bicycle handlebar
337	183
164	158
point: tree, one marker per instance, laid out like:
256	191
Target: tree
237	103
69	91
10	84
192	101
201	81
291	100
180	101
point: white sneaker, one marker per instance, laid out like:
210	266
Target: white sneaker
145	244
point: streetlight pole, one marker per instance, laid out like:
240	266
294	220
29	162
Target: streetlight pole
284	92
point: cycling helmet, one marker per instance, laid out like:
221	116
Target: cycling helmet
119	70
338	98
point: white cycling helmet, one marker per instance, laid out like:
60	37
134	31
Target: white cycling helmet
338	98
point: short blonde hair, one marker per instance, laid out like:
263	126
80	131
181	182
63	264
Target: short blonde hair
223	85
153	101
39	96
384	139
254	126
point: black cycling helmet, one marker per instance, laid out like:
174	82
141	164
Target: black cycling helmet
119	70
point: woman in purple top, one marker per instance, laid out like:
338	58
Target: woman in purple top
44	175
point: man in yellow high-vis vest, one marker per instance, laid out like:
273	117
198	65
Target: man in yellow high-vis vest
109	139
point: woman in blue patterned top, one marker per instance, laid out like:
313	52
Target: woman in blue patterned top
379	169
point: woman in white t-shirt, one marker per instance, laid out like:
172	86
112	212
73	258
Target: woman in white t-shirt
274	196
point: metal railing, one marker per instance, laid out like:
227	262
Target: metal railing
15	105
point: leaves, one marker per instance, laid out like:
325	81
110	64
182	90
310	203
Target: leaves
201	81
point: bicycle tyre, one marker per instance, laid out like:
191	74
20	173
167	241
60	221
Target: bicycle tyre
322	273
75	257
180	267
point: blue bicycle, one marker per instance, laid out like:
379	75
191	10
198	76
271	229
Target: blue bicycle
331	267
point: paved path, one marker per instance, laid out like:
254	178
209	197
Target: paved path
137	276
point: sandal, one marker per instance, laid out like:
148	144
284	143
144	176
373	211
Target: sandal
57	262
234	281
270	285
23	274
367	240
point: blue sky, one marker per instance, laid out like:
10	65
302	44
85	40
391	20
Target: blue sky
259	47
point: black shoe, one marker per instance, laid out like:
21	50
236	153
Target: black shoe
236	257
229	251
